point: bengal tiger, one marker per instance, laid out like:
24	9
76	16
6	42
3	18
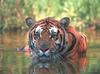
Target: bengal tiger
54	46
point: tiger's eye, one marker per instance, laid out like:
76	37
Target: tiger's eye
54	36
36	35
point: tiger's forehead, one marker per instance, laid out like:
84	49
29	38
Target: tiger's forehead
51	28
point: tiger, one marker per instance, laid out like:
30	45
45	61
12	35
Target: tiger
51	42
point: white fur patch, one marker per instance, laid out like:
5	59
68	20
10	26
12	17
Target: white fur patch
57	41
54	29
39	29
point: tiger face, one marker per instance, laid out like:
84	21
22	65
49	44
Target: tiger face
47	35
46	40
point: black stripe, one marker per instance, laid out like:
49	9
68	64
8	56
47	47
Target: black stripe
73	42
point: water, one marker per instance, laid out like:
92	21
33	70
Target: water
12	62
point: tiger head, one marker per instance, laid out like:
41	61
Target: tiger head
47	37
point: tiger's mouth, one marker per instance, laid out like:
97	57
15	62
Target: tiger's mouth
45	59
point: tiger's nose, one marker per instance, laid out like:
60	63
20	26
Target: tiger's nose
44	46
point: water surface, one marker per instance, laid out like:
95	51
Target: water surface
12	62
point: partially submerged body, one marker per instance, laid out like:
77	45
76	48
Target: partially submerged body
56	39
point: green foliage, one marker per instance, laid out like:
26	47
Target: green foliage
13	12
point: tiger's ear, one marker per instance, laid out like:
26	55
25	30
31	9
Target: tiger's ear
29	21
65	21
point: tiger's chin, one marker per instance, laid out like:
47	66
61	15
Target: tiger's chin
45	60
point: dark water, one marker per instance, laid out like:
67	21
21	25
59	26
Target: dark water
12	62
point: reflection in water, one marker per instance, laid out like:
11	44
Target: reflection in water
62	67
12	40
16	63
12	62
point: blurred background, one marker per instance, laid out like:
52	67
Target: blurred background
84	15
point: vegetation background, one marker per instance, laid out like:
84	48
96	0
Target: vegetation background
14	12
